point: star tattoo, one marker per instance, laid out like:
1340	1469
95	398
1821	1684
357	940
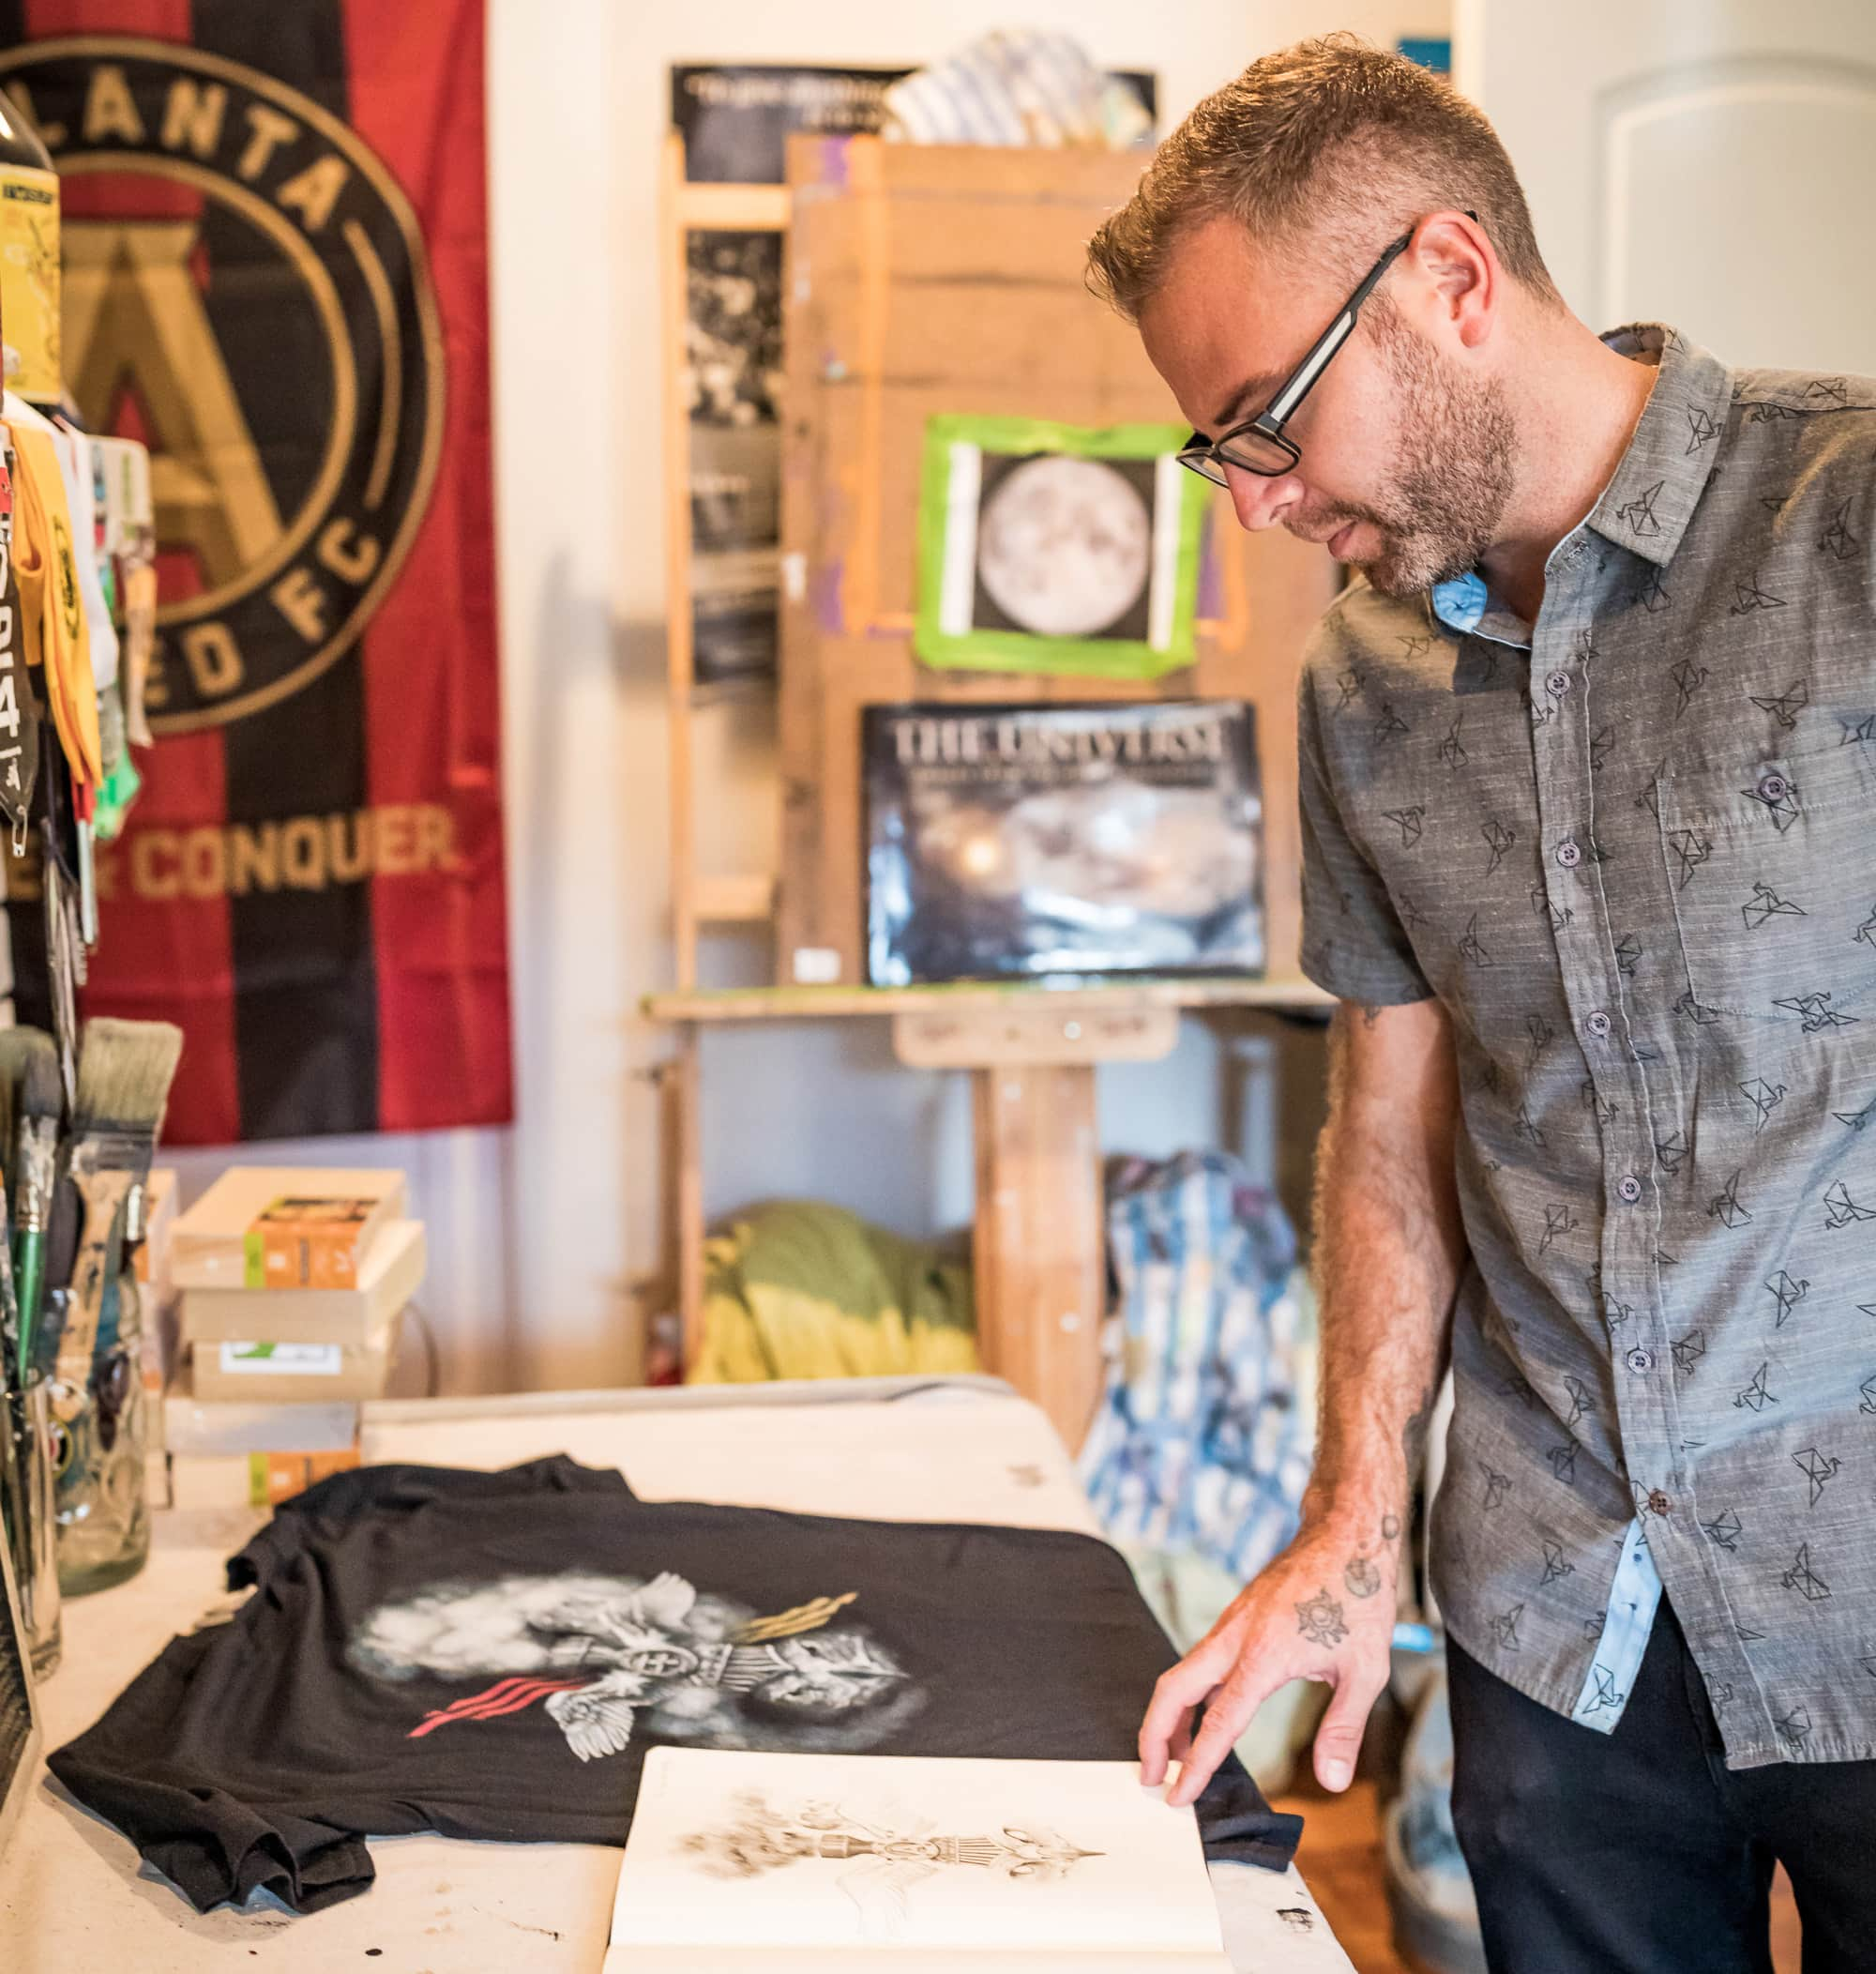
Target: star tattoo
1320	1620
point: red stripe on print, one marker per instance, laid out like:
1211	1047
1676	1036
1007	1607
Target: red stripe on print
506	1697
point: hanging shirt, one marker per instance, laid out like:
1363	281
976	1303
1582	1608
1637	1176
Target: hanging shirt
489	1655
1628	848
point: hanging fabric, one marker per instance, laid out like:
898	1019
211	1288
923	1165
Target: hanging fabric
56	633
19	714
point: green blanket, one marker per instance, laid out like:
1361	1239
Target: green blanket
797	1289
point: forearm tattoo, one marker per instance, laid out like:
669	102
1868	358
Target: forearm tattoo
1320	1618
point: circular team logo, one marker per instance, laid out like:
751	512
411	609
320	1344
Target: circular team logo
247	291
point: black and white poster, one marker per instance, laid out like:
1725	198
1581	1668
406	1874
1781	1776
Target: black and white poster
732	385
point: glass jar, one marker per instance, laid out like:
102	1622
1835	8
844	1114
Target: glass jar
27	1484
103	1516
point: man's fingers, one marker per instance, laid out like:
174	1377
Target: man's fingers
1228	1715
1180	1745
1167	1730
1338	1739
1174	1695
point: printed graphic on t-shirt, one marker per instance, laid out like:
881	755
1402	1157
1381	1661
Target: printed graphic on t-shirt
611	1654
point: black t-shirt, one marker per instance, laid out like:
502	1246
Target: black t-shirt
489	1655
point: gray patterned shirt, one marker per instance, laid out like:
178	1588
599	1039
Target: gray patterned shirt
1632	850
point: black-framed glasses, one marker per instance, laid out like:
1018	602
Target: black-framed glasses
1261	445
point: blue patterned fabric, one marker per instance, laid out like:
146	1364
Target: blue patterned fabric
1201	1442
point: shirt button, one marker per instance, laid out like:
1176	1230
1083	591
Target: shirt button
1639	1360
1772	787
1629	1186
1559	683
1568	855
1659	1503
1597	1022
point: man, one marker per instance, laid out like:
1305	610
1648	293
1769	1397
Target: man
1588	773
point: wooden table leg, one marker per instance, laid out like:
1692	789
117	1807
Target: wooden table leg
1038	1245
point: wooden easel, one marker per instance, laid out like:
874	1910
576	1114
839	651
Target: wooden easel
923	281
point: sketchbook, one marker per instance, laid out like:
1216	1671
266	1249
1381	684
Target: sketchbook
851	1863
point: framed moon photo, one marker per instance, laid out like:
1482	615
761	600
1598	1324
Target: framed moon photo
1057	548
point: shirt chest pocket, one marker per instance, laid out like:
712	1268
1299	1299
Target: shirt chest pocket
1771	866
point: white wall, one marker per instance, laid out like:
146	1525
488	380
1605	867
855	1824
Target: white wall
538	1233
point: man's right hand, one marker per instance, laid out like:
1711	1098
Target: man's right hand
1389	1246
1324	1609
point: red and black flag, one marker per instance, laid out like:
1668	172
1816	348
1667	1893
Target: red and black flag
275	252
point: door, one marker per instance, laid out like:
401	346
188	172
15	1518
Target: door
1704	163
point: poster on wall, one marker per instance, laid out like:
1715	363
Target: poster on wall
275	276
1016	841
736	118
1434	51
735	121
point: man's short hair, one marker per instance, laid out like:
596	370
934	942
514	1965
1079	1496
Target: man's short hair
1324	152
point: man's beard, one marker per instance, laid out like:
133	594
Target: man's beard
1441	507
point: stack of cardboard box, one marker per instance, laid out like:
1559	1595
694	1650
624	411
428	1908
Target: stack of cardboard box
294	1283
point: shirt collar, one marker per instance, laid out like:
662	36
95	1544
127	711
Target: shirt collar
1648	503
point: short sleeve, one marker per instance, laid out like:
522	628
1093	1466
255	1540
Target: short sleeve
1353	943
148	1768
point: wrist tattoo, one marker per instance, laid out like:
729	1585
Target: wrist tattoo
1390	1529
1320	1618
1362	1577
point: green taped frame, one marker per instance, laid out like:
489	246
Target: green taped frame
1023	651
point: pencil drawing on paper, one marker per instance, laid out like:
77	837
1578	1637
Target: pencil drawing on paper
883	1860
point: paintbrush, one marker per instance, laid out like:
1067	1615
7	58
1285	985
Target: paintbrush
13	1439
12	1350
32	1536
12	1051
125	1069
32	1057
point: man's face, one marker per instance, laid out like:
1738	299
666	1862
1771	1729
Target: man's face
1407	452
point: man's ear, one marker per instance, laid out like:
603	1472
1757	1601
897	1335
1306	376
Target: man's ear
1454	261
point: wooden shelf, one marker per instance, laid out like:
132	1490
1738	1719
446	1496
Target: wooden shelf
768	1004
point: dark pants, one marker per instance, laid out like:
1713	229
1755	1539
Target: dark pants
1640	1852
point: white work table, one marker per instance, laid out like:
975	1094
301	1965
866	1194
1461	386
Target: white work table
75	1899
